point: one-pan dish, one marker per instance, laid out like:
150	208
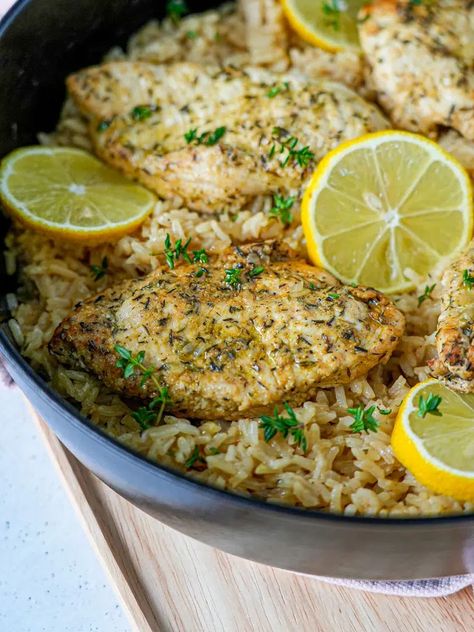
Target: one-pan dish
244	251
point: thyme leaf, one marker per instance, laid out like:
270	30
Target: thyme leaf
284	425
99	271
175	9
281	209
141	112
173	253
426	294
364	421
429	406
467	279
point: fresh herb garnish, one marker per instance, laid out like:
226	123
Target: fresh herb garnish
175	9
145	416
201	272
415	3
288	149
190	135
214	450
200	256
467	279
277	89
426	294
99	271
141	112
332	12
254	272
364	421
232	277
429	406
206	138
384	411
103	125
195	456
334	295
284	425
172	254
281	209
191	34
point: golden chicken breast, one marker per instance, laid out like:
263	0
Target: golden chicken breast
455	336
258	327
421	59
216	138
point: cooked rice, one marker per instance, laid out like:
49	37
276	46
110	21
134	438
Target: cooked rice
340	471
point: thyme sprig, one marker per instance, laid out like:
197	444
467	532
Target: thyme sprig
285	146
364	420
206	138
98	271
176	9
274	90
173	253
281	209
467	279
272	424
332	12
152	413
429	406
233	277
426	294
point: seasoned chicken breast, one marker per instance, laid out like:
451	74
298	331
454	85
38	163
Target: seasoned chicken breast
216	138
455	335
421	59
226	351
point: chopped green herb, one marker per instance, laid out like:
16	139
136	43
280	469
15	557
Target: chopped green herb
214	450
312	286
429	406
172	254
201	272
384	411
195	456
232	277
141	112
364	421
99	271
288	150
284	425
206	138
103	125
191	34
334	295
254	272
426	294
145	416
200	256
277	89
415	3
281	209
467	279
332	11
191	135
175	9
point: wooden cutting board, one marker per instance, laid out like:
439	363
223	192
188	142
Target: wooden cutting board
170	583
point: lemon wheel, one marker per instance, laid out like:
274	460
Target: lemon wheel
386	209
434	439
328	24
68	192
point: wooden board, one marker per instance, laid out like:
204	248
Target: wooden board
171	583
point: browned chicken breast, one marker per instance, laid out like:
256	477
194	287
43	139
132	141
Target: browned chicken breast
228	349
216	138
455	335
421	59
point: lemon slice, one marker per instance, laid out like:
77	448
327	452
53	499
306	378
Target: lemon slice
437	450
66	191
329	24
385	209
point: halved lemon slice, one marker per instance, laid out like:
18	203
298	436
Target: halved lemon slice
438	449
385	209
329	24
66	191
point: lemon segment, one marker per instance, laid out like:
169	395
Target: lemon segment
385	209
438	451
328	24
68	192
